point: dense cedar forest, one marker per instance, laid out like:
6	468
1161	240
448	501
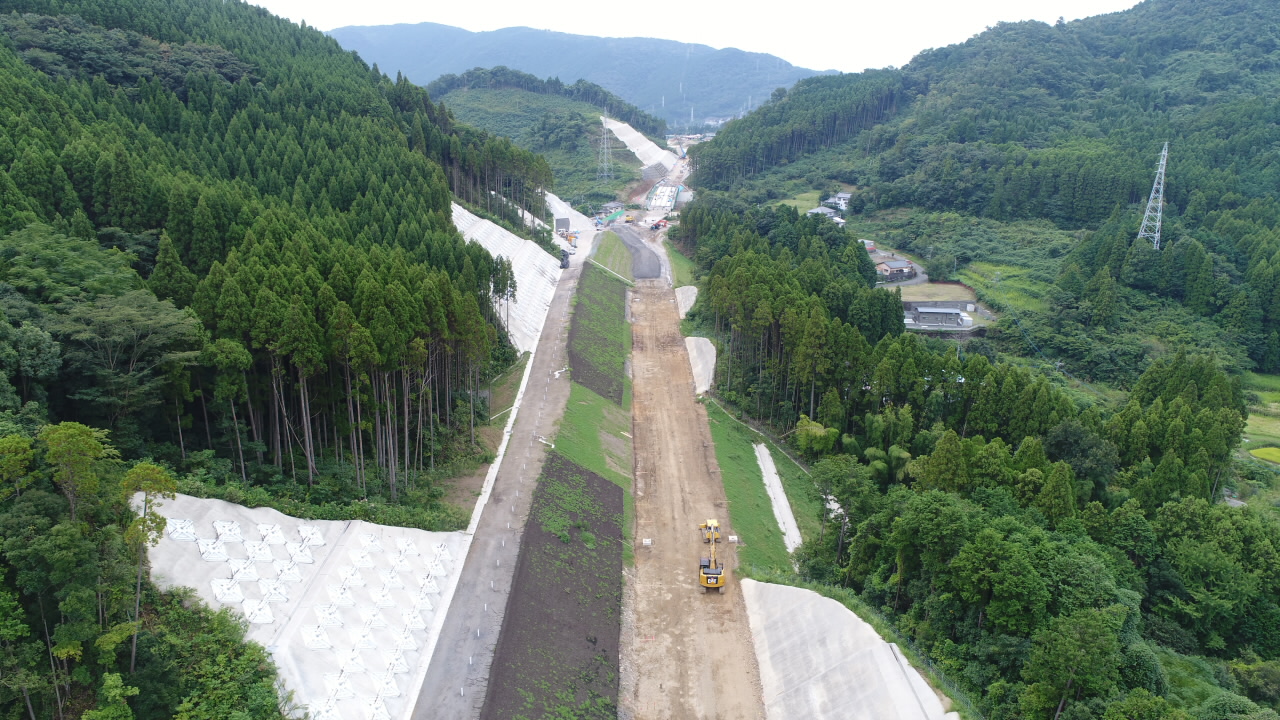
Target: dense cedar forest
582	91
1061	546
227	268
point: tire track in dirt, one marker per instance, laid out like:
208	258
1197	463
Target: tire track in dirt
685	654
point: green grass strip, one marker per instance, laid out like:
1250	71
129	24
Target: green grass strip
682	268
806	504
750	511
591	435
600	339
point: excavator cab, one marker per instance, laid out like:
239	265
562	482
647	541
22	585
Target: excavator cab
710	574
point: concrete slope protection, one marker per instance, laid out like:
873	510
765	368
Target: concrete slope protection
350	611
457	678
685	297
536	276
778	498
643	147
702	361
820	661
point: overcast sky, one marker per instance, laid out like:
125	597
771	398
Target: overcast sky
848	36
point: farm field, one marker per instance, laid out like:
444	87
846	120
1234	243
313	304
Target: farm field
939	291
1263	428
1006	286
1270	454
804	201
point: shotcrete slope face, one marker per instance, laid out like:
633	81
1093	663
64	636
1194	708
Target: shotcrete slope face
350	611
577	221
819	661
702	360
685	298
643	147
536	276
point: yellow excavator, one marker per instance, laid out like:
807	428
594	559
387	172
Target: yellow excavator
710	530
710	573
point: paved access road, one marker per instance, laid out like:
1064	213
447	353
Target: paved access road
644	261
456	679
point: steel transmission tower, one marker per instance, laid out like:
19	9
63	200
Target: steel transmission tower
605	171
1155	204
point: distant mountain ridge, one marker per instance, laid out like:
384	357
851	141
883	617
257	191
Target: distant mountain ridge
669	79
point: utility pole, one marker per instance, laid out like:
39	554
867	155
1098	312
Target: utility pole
1155	204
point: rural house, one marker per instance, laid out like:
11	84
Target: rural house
839	200
895	270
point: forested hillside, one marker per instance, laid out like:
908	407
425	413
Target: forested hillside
559	122
581	91
225	248
1046	512
663	77
1063	123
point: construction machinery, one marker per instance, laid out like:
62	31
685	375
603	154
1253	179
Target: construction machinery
710	531
710	572
629	219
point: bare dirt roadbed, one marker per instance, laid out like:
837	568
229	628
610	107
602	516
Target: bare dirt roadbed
685	654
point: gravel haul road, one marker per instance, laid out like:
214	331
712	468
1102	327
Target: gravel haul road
685	654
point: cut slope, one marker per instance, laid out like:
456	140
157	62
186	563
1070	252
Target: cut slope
643	148
566	132
818	660
536	276
350	611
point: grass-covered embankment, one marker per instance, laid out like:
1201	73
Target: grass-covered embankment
612	253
